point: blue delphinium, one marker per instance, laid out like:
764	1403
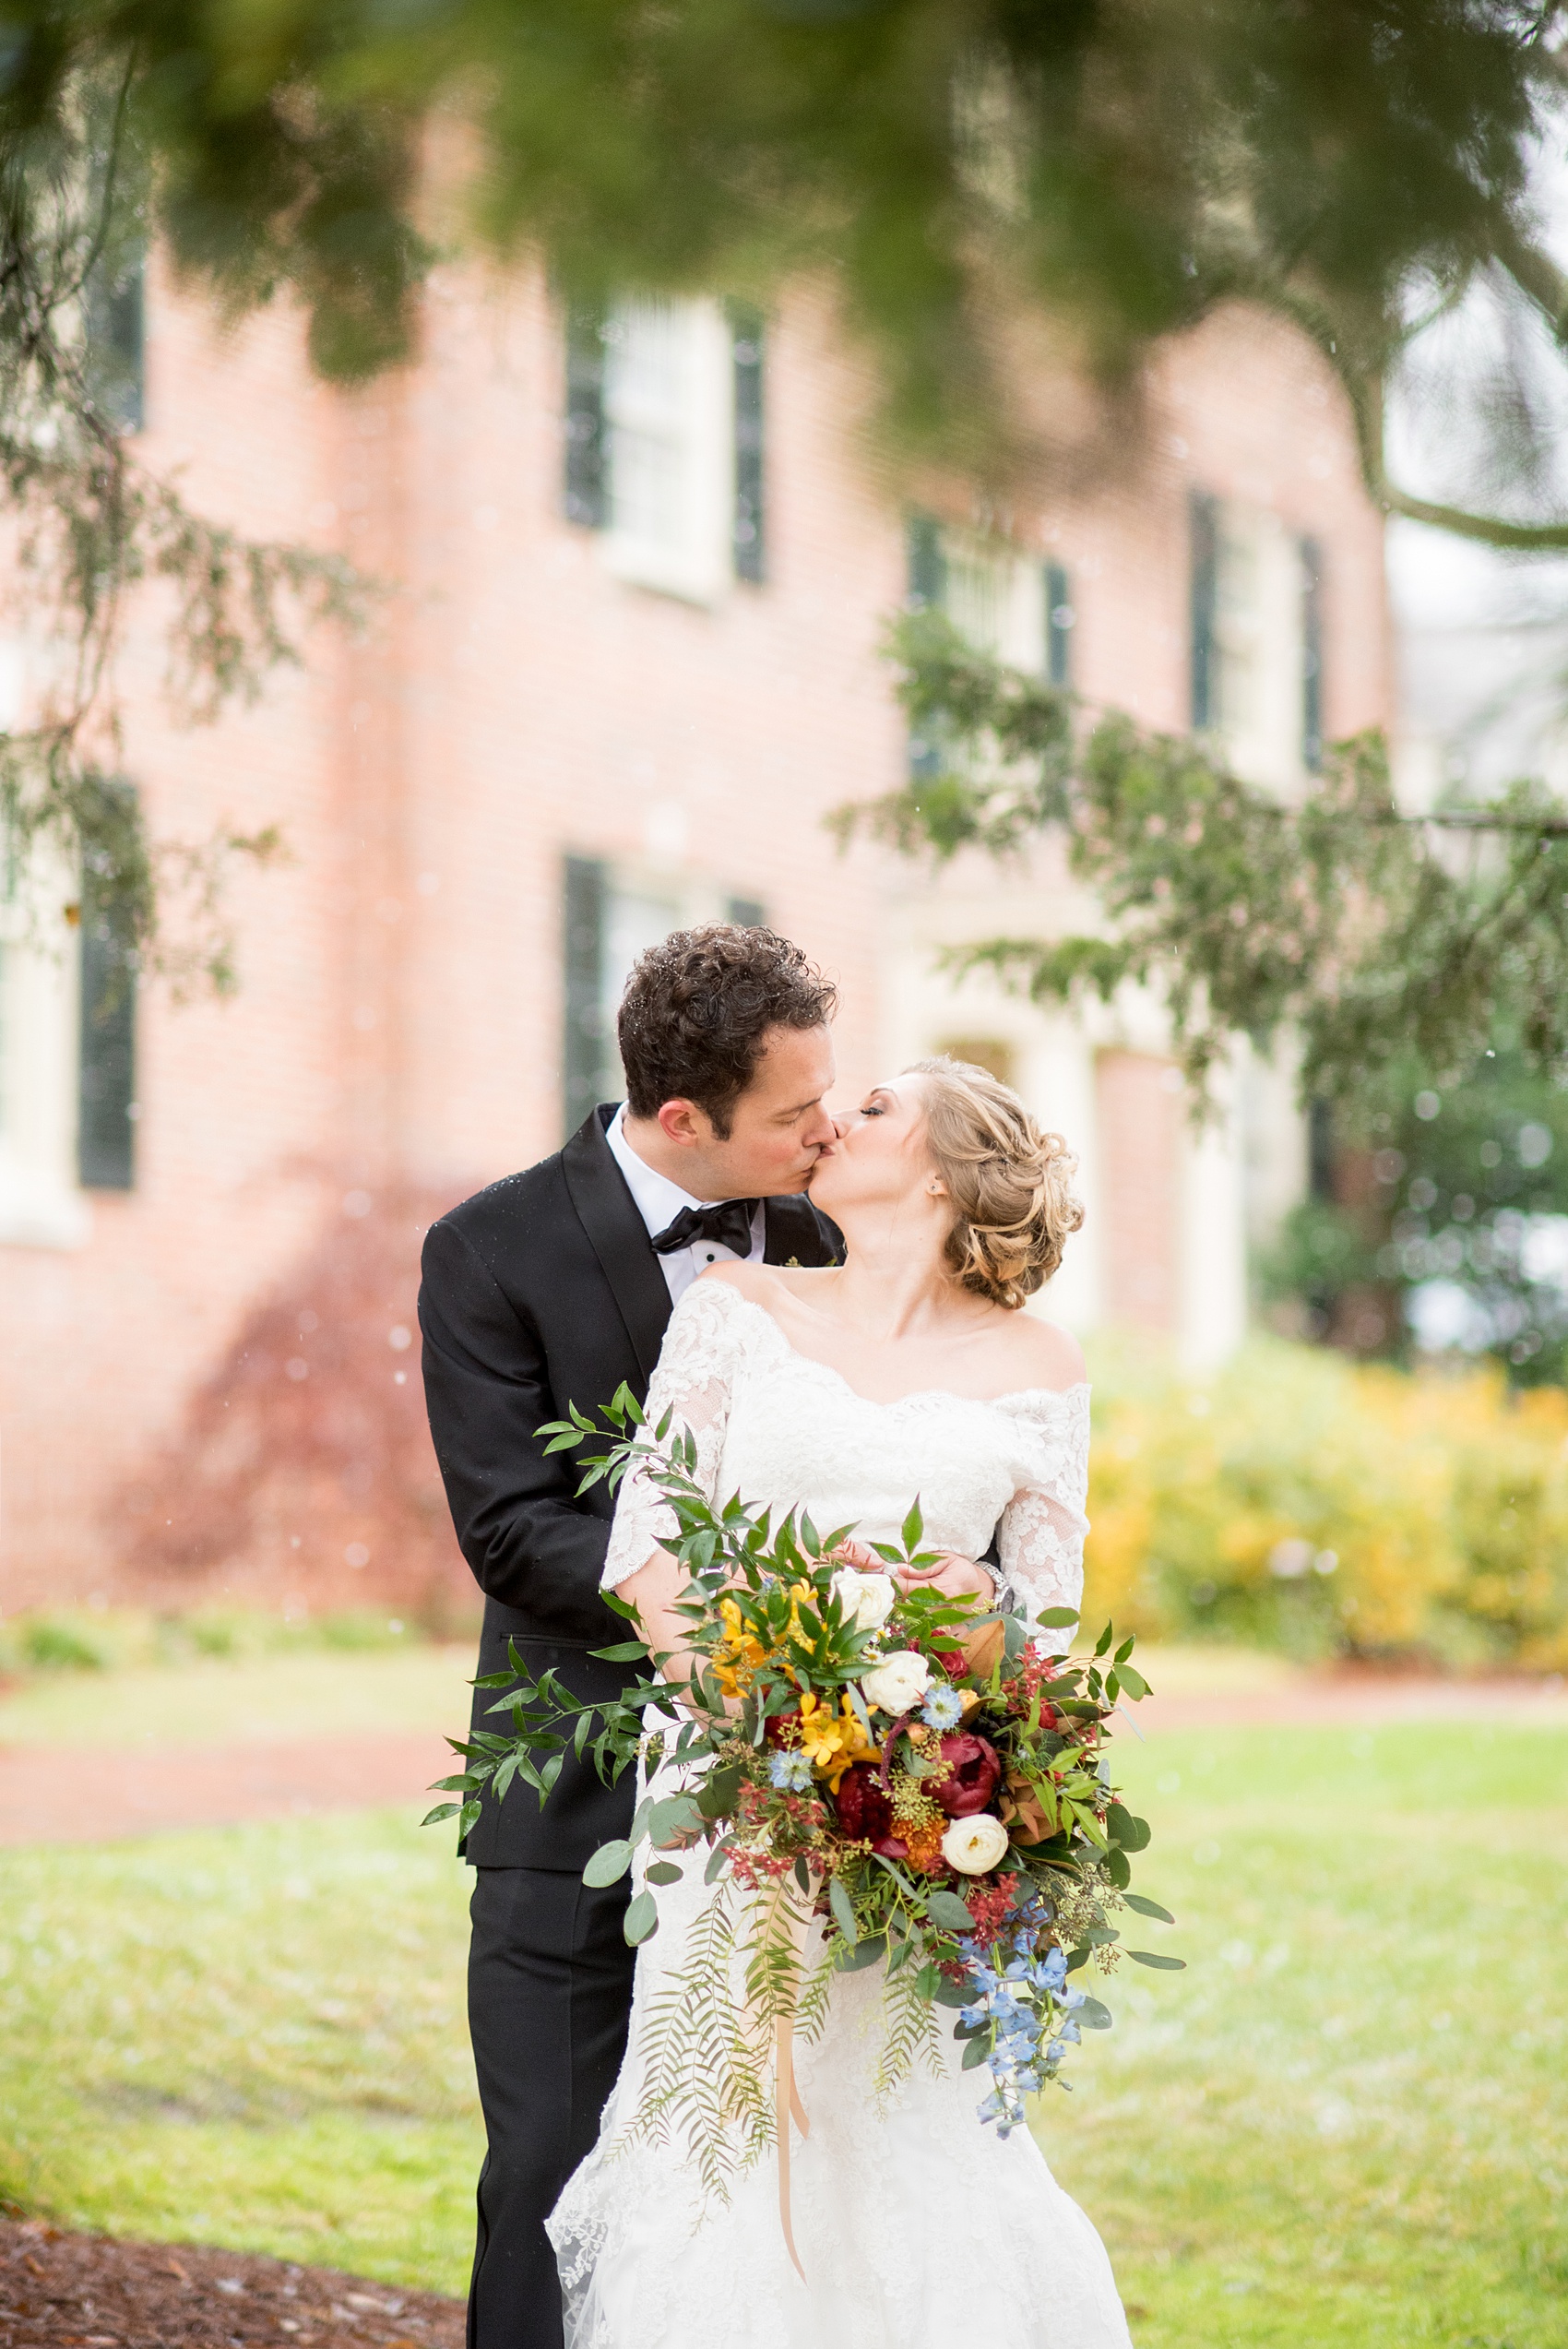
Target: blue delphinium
790	1771
943	1708
1029	2010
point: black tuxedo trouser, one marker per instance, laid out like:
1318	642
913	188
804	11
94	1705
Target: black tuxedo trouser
549	1997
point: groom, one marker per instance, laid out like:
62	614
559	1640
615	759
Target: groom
551	1287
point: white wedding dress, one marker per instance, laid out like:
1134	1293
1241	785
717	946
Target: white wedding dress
917	2227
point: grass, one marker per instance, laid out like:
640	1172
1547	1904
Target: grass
252	2037
309	1694
1343	2126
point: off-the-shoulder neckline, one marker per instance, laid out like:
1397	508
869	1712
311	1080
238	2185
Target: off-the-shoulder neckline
916	1394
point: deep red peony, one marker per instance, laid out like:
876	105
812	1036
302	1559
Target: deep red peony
973	1776
865	1810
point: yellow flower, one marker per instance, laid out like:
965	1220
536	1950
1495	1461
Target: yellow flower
735	1663
833	1742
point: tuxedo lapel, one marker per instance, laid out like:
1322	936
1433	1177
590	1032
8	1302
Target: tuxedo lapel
797	1233
608	1216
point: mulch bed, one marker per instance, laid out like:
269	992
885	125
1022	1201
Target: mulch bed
60	2291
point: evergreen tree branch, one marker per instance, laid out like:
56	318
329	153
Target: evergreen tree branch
1366	932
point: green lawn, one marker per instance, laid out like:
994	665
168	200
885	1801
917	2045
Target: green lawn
1345	2125
315	1693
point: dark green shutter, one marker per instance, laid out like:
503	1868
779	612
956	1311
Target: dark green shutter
1320	1150
1058	626
747	913
116	344
927	570
927	564
587	469
750	547
582	1045
106	1097
1312	655
1204	609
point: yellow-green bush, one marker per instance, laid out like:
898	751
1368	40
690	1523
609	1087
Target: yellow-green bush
1320	1505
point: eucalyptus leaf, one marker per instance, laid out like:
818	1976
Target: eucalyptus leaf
864	1953
1093	2015
1146	1907
843	1909
676	1815
1151	1958
975	2053
642	1919
945	1908
663	1872
609	1864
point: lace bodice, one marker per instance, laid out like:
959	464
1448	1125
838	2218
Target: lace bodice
784	1431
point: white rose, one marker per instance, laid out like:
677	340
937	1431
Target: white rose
867	1597
973	1845
899	1681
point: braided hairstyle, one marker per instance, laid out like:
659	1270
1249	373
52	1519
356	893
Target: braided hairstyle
1009	1182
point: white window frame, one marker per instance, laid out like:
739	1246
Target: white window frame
995	598
669	400
41	1202
1259	645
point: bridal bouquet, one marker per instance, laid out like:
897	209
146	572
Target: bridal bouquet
926	1783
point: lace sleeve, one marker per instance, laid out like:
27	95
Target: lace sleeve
1040	1539
692	1379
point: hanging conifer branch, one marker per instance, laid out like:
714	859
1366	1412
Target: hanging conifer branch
90	525
1366	932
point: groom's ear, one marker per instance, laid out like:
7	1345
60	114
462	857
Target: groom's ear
683	1123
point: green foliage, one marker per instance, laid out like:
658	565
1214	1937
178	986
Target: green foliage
1120	169
1309	1503
1370	938
92	525
1442	1184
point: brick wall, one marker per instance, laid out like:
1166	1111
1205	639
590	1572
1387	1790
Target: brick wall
397	1033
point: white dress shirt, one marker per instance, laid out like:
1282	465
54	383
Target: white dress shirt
659	1201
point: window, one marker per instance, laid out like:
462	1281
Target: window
1256	641
40	1205
664	442
1016	610
115	326
611	917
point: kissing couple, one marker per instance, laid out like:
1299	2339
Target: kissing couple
830	1304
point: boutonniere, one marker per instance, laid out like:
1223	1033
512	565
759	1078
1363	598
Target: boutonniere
791	1264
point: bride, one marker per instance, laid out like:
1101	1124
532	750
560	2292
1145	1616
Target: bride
910	1370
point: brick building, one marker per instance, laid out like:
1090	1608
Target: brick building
627	661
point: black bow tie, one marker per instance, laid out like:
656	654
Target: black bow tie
729	1223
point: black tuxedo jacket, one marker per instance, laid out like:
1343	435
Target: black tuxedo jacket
542	1290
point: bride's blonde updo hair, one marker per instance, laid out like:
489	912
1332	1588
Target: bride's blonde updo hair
1010	1183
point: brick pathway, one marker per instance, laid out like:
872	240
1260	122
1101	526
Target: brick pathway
92	1795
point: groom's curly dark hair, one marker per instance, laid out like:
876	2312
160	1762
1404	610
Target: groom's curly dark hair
698	1007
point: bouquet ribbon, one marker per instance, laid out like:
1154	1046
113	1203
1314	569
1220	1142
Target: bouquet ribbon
793	1911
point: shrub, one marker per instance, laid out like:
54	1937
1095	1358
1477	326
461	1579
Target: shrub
1320	1505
